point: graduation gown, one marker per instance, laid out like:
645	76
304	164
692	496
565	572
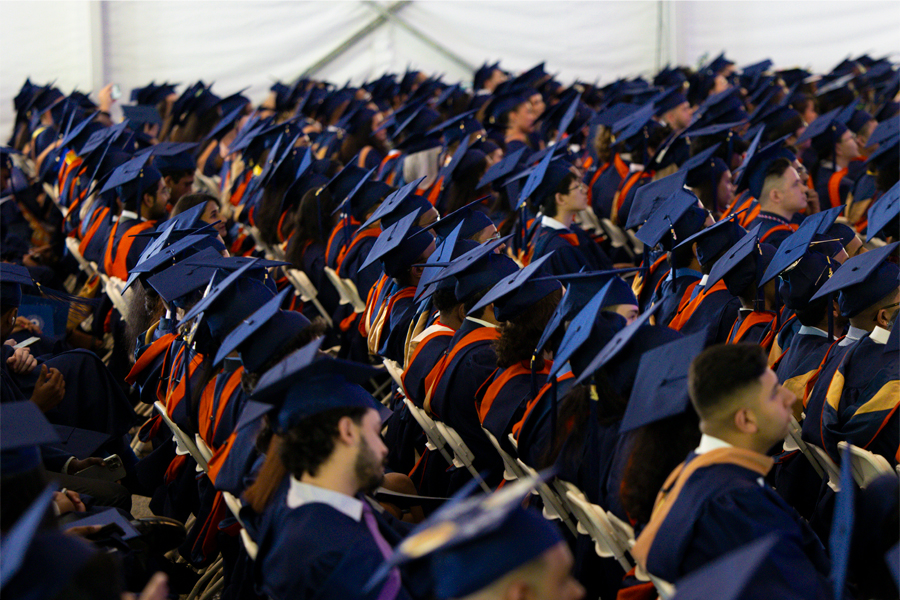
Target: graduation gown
316	552
713	310
754	326
722	507
428	352
534	431
453	386
354	256
862	400
122	249
801	360
603	185
313	265
773	229
817	390
573	249
503	401
671	291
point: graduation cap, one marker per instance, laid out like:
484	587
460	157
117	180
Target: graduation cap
23	429
181	279
262	334
444	253
458	127
471	222
228	302
795	245
580	289
77	442
446	173
364	196
473	541
28	549
724	107
505	167
132	180
158	256
661	385
172	157
224	125
825	132
885	130
742	574
863	280
651	195
307	383
483	73
506	101
614	113
674	219
345	181
478	269
518	292
141	114
399	246
669	99
12	278
743	265
399	204
152	94
78	134
883	212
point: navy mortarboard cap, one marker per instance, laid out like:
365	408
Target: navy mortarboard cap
795	245
544	179
262	334
886	155
504	103
661	385
12	278
399	204
617	344
475	541
863	280
500	170
225	124
801	279
366	197
825	131
518	292
307	383
748	573
170	157
753	175
152	94
885	130
858	119
724	107
133	179
651	195
343	183
484	73
158	255
399	246
101	138
23	428
581	329
354	192
234	102
632	125
841	538
794	76
228	302
78	134
233	263
699	165
580	288
446	250
743	264
715	239
613	114
28	548
669	99
181	279
669	76
716	65
141	114
452	129
883	212
478	269
472	222
676	218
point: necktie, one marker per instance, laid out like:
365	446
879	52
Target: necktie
392	585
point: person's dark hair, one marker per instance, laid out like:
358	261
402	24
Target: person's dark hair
681	257
314	330
100	578
801	102
462	189
353	144
603	144
145	308
444	299
706	191
268	215
307	225
813	313
548	202
788	127
658	448
887	175
777	168
195	128
471	302
519	336
720	371
189	201
307	445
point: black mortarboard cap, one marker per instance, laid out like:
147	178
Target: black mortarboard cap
883	212
651	195
863	280
399	246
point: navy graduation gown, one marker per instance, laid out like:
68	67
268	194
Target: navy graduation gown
800	361
426	356
573	249
715	314
773	229
670	292
815	401
725	506
603	191
317	552
501	402
861	403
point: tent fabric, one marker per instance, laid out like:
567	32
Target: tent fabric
84	44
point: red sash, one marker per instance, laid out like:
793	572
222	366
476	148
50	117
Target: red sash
789	228
209	421
520	368
360	236
422	344
684	314
148	356
834	186
517	427
754	318
116	266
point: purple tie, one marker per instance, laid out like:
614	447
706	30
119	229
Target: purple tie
392	585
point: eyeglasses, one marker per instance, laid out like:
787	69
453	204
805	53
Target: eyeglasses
578	186
166	191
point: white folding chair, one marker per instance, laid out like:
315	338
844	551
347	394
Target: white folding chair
511	469
593	520
348	293
793	441
182	440
72	245
436	441
867	466
112	286
307	291
394	371
832	470
462	456
554	507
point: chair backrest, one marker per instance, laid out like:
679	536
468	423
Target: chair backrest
113	288
461	453
595	522
394	370
347	296
867	466
182	439
511	469
832	470
555	508
794	441
436	441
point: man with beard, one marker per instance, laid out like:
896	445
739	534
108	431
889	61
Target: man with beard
318	535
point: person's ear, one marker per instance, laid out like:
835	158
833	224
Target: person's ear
170	183
347	432
461	312
745	421
559	199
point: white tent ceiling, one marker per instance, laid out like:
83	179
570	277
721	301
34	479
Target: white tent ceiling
83	44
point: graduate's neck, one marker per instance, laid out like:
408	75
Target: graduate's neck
334	475
733	436
566	217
